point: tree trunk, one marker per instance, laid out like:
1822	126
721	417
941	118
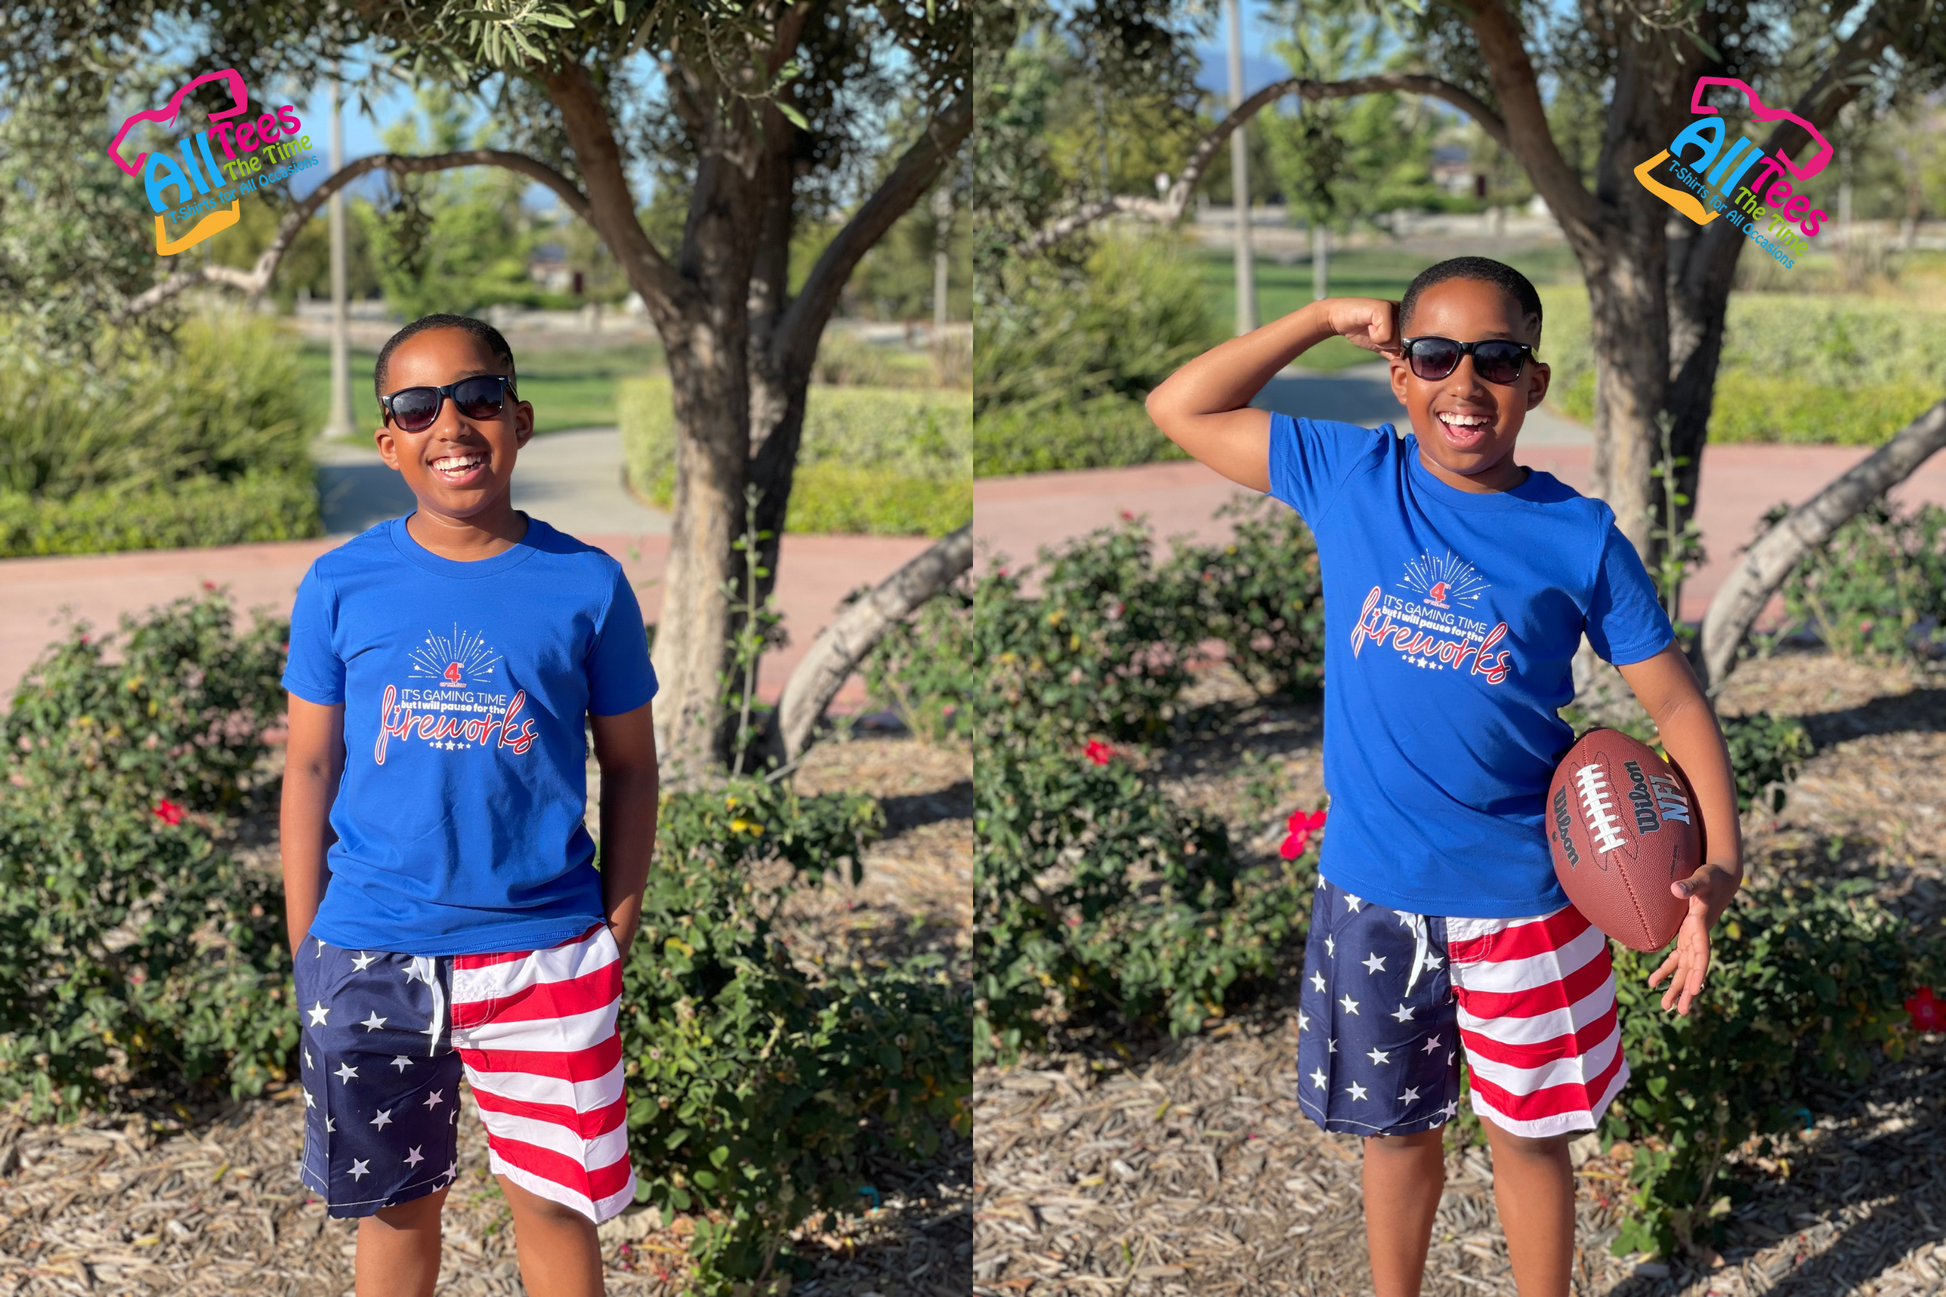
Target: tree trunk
1629	329
1767	562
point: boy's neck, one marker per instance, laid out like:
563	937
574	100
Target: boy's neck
1502	476
493	530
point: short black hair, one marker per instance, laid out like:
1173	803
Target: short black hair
495	342
1498	273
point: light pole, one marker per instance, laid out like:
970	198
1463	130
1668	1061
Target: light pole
942	222
339	424
1240	179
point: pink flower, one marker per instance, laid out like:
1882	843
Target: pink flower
1927	1013
1298	829
168	812
1128	516
209	585
1098	752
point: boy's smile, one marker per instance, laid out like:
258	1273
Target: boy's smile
1466	426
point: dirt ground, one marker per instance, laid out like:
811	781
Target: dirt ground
208	1203
1158	1168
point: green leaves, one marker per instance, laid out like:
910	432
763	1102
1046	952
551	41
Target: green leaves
1870	588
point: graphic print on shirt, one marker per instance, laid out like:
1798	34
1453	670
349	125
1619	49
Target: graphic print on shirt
463	709
1433	630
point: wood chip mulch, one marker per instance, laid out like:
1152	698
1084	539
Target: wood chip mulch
208	1204
1108	1167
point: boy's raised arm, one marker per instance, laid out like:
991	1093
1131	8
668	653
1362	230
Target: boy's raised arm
1204	407
314	757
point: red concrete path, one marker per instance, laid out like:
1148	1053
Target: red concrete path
814	574
1016	515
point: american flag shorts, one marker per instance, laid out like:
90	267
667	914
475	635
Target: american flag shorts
1392	1001
386	1038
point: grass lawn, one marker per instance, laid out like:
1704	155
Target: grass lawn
569	388
1360	272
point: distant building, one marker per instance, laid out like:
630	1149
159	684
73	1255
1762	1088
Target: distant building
1453	171
548	267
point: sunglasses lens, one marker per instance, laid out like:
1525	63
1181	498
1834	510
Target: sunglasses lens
480	398
415	408
1498	362
1434	358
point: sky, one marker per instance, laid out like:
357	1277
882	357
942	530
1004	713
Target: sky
1260	66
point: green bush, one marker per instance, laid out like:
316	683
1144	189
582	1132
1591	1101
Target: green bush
133	949
758	1097
876	460
1806	988
1262	595
194	511
199	446
1097	897
1876	590
921	669
1107	432
1765	750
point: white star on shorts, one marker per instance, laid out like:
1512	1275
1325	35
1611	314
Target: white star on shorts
363	962
1317	980
1355	1090
414	1158
401	1062
359	1170
1432	1044
318	1014
1352	903
452	1171
345	1072
1374	963
307	1058
373	1023
1434	961
310	1100
1331	947
1331	1045
1379	1055
1318	1078
330	1125
1351	1005
1303	1020
383	1119
1404	1014
433	1100
412	973
1410	1096
1451	1109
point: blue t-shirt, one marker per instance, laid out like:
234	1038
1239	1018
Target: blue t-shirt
1451	619
459	817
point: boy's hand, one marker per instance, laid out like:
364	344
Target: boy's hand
1708	891
1368	322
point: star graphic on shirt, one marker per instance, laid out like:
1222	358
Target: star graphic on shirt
345	1072
363	962
1351	1005
310	1100
1374	963
414	1157
318	1014
1331	947
1379	1056
401	1062
1352	903
1317	980
383	1119
1404	1014
1318	1078
1432	1044
373	1023
1410	1096
1303	1020
1355	1090
359	1170
433	1100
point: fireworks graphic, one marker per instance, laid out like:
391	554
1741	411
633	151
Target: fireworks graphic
456	661
1444	581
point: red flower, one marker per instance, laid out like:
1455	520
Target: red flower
209	585
1128	516
168	812
1299	828
1098	752
1927	1013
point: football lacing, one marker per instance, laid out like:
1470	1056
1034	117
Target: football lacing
1597	809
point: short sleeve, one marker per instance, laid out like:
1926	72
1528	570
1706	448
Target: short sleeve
1625	618
1311	458
620	677
314	671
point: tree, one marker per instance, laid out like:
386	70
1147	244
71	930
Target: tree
1658	303
771	112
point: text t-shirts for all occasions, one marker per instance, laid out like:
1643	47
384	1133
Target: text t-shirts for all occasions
1451	620
459	816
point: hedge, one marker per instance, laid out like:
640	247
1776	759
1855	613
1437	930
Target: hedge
193	511
1109	432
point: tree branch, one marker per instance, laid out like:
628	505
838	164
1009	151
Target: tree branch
1171	208
796	342
858	628
255	280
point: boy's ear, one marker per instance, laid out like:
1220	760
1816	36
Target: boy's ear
1398	375
523	424
1538	377
388	447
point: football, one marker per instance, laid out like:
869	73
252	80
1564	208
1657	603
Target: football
1623	826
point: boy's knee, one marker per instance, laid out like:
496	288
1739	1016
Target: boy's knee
1402	1145
1542	1146
418	1214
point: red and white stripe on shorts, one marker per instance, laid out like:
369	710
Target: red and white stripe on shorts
1536	1001
536	1032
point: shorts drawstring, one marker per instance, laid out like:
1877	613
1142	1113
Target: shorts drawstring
426	968
1421	948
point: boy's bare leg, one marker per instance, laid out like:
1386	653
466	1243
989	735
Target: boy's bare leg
398	1249
559	1253
1404	1175
1533	1185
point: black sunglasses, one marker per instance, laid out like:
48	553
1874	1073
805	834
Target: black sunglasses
1495	359
415	409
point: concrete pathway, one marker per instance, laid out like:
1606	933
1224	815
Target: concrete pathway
1014	516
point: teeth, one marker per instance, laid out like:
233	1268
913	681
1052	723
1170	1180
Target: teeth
457	463
1465	420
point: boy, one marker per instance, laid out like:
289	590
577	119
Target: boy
442	664
1438	925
